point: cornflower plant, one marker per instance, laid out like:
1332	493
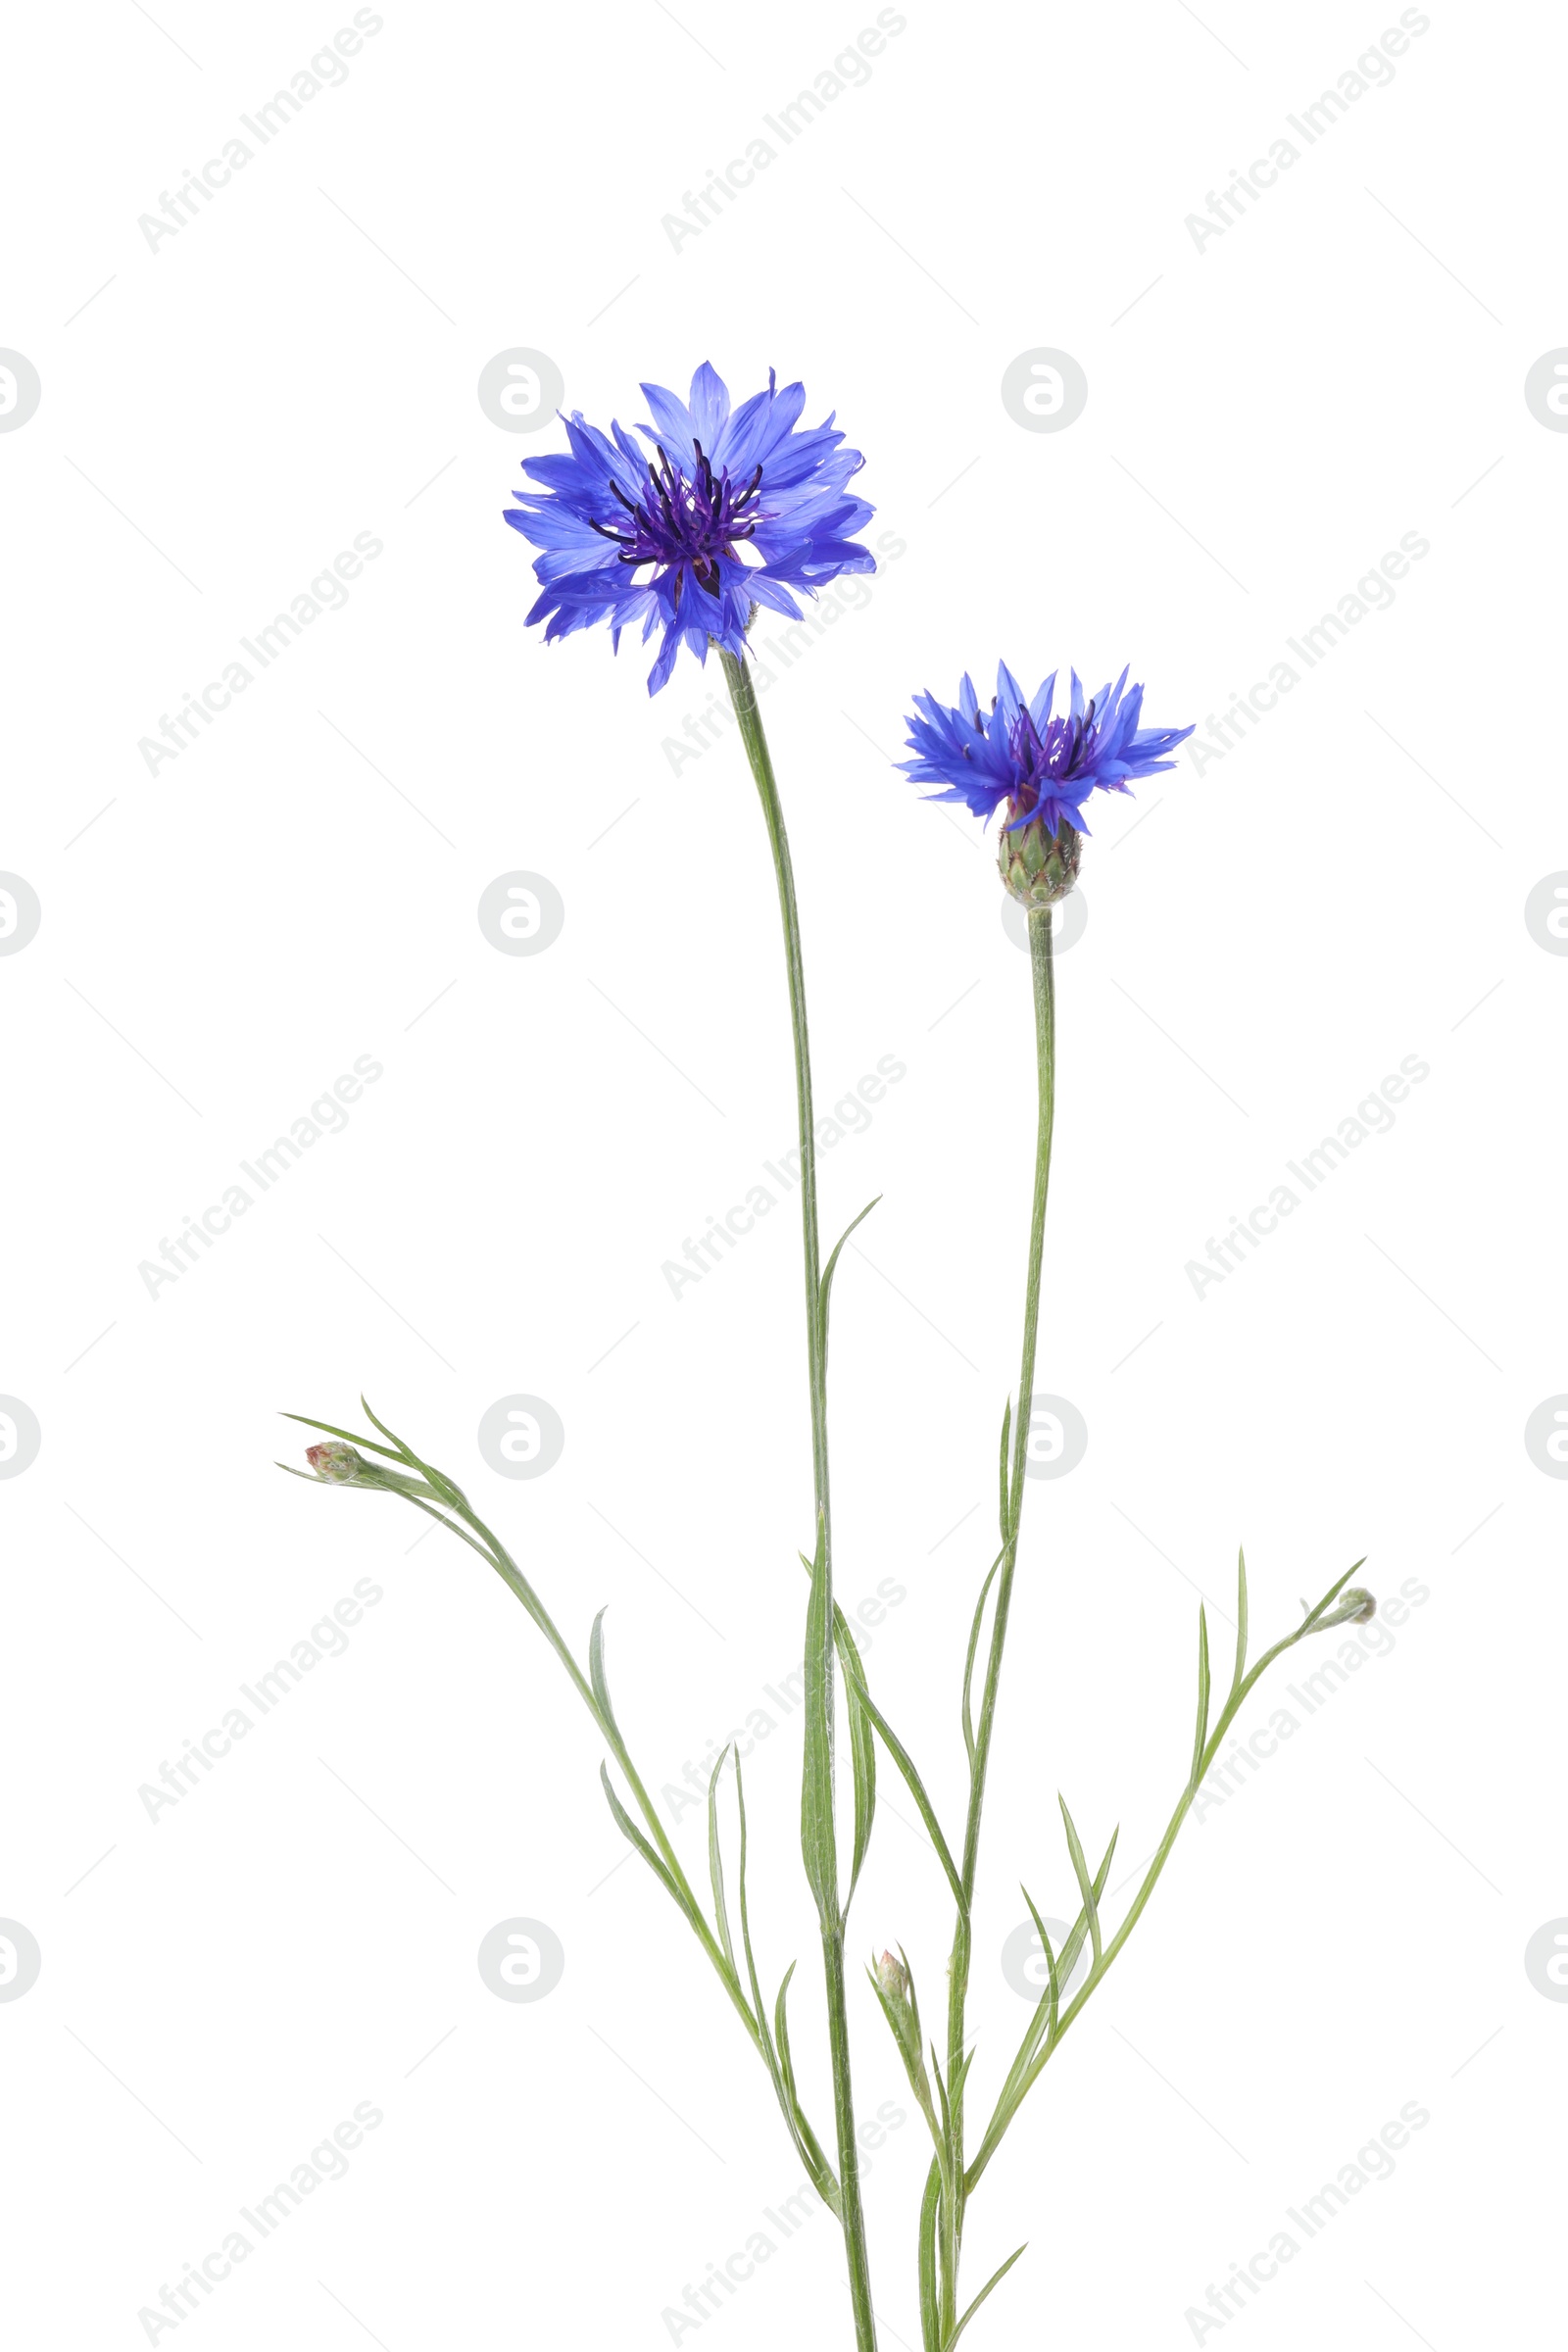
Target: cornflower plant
724	512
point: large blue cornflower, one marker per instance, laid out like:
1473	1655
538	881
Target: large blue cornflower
730	511
1018	754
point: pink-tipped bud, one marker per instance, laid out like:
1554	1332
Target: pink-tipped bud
892	1977
339	1464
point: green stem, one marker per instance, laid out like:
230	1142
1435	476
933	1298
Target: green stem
1043	977
852	2213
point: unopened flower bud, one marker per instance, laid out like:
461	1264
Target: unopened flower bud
338	1463
1357	1606
892	1977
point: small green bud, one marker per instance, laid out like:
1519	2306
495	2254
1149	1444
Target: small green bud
1357	1606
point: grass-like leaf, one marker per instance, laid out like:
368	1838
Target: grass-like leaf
1052	1993
596	1671
1202	1734
968	1663
351	1435
862	1746
1080	1869
995	2280
1240	1619
825	1286
634	1837
930	2309
1007	1484
808	2148
715	1860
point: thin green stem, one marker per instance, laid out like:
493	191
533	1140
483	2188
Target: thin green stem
1043	978
749	717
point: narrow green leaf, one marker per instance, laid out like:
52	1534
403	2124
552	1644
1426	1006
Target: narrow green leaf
1240	1619
862	1744
930	2310
1081	1873
825	1287
352	1436
634	1837
862	1747
808	2146
995	2280
406	1450
1202	1734
818	1837
916	1788
715	1861
942	2094
781	2030
1067	1957
758	2009
596	1671
968	1663
1007	1482
1052	1996
446	1488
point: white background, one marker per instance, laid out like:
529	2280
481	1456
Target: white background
1267	414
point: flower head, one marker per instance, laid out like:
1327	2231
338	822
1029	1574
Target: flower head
724	510
1036	764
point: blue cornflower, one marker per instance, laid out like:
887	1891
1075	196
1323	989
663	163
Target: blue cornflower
1042	767
731	510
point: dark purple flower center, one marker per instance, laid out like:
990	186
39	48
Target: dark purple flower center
1042	761
679	522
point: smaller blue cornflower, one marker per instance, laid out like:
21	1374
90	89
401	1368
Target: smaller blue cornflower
1036	765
